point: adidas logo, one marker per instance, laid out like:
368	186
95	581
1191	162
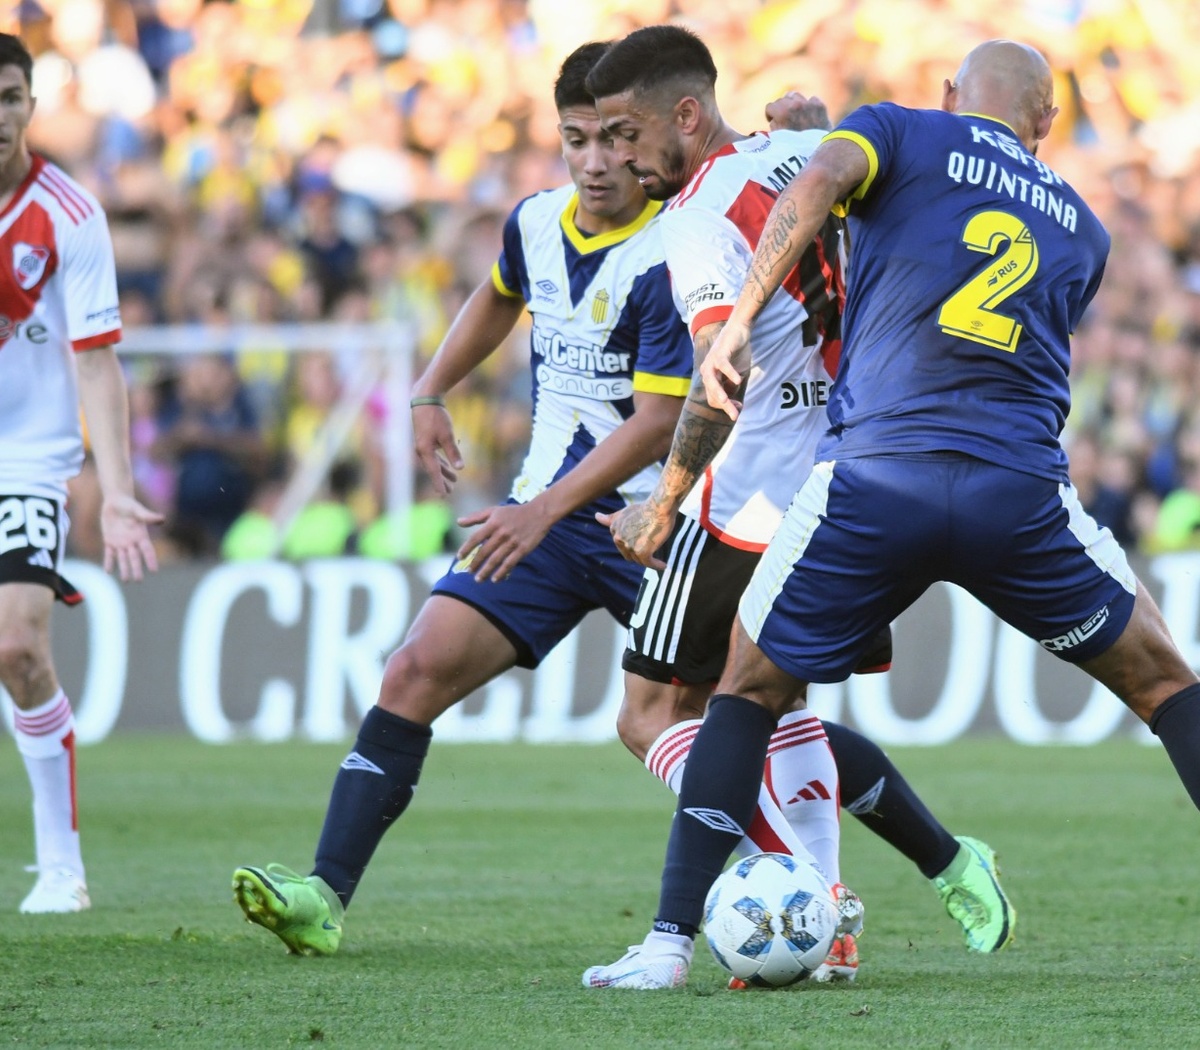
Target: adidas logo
355	761
811	792
42	560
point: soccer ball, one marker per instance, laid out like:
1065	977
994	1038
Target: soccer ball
770	919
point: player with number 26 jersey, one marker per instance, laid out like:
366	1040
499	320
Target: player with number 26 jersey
970	254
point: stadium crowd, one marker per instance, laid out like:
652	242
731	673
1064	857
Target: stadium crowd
354	160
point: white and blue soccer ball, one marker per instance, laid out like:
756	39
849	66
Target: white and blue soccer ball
770	919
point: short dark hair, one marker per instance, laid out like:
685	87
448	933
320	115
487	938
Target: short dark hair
14	53
650	57
569	88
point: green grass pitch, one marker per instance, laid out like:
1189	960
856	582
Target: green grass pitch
517	866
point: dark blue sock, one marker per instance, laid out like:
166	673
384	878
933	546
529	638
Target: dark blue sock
373	787
1177	724
875	792
717	799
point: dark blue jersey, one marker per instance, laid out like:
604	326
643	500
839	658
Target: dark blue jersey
971	264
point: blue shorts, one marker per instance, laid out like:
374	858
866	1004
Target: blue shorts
575	569
864	538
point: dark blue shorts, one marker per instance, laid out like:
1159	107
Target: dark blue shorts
574	570
864	538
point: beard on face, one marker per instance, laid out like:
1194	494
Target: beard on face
673	176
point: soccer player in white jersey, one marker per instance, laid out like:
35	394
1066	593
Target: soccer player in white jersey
58	324
654	93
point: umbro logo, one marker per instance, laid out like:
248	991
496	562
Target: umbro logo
355	761
813	791
548	287
867	802
717	819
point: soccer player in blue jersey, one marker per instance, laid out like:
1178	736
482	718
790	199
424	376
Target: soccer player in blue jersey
973	263
611	364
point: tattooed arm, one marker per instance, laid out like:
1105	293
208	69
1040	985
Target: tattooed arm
836	169
641	528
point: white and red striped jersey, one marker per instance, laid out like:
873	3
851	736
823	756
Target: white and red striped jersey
58	296
710	231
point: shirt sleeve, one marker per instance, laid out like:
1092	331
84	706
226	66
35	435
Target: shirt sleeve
90	285
709	256
877	129
510	276
664	359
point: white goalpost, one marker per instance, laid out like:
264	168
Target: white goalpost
381	358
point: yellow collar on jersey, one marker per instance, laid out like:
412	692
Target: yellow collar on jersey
585	244
988	116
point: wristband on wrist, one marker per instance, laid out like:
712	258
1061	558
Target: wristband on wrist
417	402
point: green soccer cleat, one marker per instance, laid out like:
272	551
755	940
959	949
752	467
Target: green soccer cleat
302	912
970	890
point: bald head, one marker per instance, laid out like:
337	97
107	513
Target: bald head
1009	81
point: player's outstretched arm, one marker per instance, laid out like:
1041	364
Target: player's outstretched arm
123	520
835	170
483	323
640	529
509	532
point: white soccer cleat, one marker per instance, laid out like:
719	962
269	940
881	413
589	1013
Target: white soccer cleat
645	967
850	910
57	890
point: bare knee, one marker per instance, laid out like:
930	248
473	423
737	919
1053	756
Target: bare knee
25	667
651	708
1144	666
639	724
416	685
749	673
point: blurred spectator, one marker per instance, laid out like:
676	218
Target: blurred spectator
331	257
317	389
208	427
420	532
1178	525
325	528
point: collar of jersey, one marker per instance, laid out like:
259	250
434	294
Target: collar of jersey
35	169
585	245
988	116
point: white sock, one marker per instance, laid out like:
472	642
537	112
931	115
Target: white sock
46	739
768	833
658	943
803	779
